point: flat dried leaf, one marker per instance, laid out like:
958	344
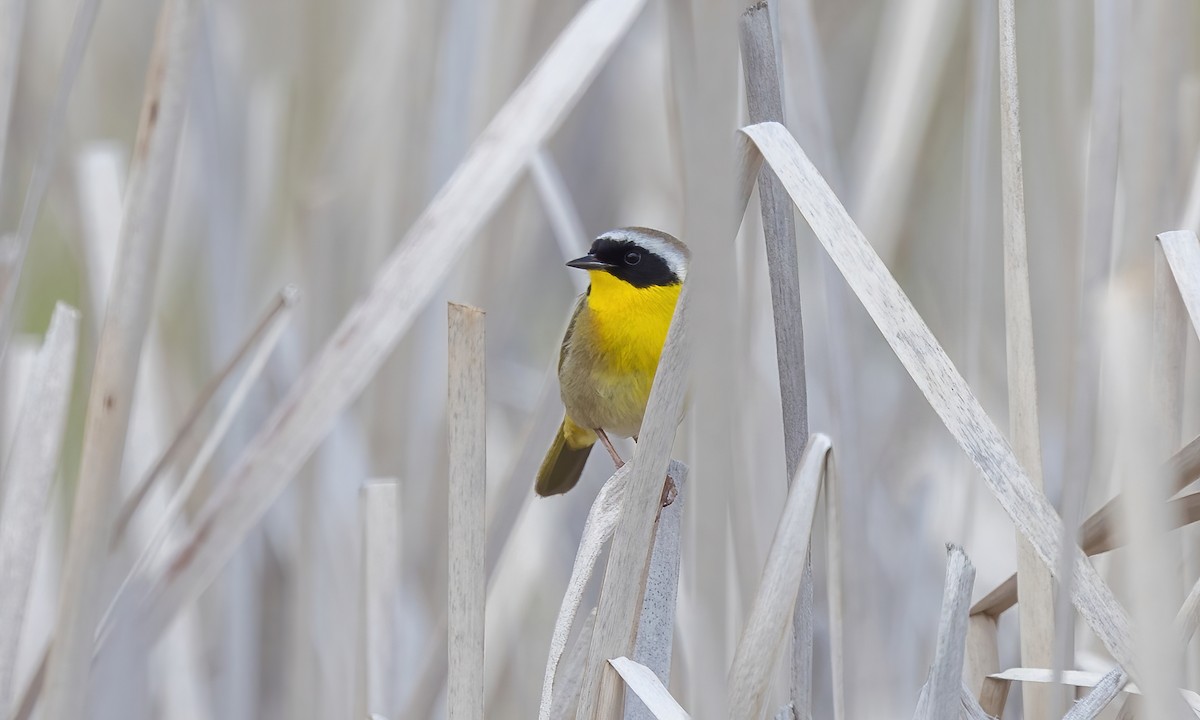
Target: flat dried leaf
28	476
643	682
762	640
945	677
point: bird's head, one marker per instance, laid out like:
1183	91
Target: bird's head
639	256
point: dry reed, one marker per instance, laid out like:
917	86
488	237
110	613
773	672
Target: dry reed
117	361
29	473
1035	591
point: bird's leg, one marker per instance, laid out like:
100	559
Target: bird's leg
609	447
669	491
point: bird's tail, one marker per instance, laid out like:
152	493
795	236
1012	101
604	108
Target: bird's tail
564	460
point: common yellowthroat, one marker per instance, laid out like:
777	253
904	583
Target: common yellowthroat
610	352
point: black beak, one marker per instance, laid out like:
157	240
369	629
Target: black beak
590	262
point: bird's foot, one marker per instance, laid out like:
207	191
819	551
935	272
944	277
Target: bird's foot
669	492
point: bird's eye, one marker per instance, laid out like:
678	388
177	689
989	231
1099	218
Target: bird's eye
633	258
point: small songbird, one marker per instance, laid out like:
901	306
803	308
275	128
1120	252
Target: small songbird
610	352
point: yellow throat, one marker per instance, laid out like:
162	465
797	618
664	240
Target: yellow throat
630	322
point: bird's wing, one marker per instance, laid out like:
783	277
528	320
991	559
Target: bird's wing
562	351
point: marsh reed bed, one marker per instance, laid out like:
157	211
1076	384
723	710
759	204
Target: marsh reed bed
280	298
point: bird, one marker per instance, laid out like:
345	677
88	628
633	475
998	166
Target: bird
610	351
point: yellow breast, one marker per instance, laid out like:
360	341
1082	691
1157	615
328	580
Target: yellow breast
630	323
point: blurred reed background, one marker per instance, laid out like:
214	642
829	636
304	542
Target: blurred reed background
312	135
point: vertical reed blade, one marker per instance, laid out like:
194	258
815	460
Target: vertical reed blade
118	359
468	481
